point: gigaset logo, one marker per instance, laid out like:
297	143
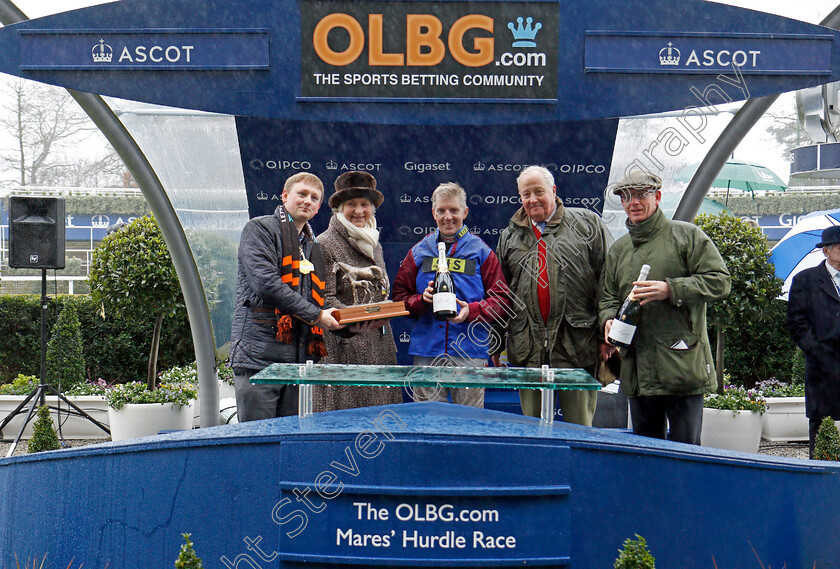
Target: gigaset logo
423	44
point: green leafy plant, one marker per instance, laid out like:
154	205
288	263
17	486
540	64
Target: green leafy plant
827	443
43	432
94	387
187	559
634	555
225	372
116	348
132	272
189	373
21	385
65	359
179	394
736	398
775	388
749	324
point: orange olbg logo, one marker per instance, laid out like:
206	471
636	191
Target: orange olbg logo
423	43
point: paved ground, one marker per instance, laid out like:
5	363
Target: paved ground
793	449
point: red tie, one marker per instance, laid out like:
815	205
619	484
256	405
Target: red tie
543	293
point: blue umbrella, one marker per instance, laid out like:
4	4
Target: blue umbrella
798	250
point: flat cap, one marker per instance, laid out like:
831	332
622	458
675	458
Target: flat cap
637	180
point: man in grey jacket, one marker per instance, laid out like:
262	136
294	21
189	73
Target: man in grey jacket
279	315
668	366
553	259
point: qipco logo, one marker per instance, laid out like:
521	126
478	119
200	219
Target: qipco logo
426	41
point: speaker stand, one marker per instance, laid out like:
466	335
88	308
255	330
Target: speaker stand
38	395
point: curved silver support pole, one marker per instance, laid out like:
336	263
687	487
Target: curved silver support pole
176	241
726	143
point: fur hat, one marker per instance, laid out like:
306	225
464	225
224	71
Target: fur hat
355	184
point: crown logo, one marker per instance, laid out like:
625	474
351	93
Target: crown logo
404	337
102	52
523	36
405	198
475	230
331	165
100	221
669	55
479	166
262	196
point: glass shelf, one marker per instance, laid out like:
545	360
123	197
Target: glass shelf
424	376
309	374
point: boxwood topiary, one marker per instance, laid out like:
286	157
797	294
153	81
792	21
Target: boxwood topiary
827	443
43	432
634	555
65	358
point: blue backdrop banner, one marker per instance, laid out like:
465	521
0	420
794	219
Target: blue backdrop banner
409	162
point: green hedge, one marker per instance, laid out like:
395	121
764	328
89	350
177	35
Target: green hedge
777	204
116	350
113	205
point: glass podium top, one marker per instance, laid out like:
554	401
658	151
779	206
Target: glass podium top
426	376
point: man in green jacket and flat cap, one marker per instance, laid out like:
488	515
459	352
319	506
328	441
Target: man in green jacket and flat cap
668	367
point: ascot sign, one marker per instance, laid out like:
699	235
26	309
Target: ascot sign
511	62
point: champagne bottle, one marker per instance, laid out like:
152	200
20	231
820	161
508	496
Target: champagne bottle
443	299
625	322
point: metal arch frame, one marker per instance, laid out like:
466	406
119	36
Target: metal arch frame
726	143
176	241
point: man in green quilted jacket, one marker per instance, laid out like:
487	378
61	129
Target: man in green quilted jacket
668	367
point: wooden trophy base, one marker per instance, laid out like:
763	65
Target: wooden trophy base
375	311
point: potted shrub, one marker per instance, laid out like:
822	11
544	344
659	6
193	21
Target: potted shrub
132	273
187	559
135	411
732	420
785	418
634	554
188	374
43	435
827	442
751	315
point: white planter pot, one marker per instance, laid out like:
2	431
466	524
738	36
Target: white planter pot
145	419
785	419
72	426
732	430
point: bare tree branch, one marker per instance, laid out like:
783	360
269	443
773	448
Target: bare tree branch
48	129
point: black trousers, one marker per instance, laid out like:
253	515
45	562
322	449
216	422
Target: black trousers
652	414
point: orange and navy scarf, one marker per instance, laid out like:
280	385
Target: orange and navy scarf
291	275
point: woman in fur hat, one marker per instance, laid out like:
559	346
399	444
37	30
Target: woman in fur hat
355	274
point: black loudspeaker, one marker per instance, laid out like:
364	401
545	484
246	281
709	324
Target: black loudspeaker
36	232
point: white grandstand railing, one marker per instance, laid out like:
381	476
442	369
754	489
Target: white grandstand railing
793	190
68	191
50	279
